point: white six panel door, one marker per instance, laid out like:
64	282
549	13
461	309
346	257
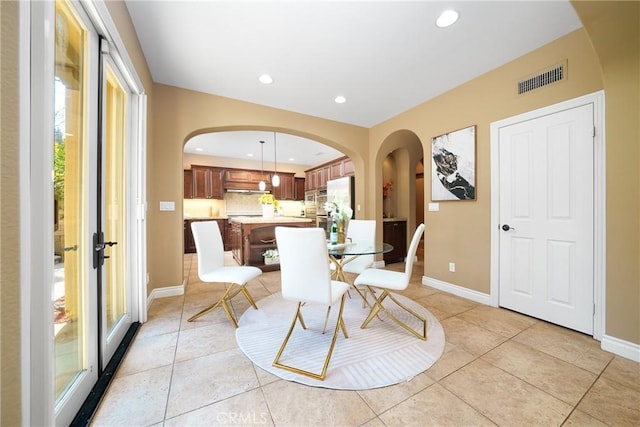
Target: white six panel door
546	218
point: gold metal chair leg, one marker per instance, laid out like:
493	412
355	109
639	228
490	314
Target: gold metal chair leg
339	326
326	319
248	296
227	310
223	301
211	307
378	306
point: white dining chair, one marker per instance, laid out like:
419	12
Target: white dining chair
211	268
387	280
306	278
361	231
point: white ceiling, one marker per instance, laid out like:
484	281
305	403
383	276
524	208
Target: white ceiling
246	145
385	57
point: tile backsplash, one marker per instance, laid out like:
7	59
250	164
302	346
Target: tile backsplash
234	204
204	208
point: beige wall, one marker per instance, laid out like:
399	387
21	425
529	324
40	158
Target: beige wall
10	405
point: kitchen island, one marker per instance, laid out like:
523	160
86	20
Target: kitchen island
250	236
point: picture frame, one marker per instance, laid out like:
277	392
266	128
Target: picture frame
453	165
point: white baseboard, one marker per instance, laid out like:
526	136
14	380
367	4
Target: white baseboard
469	294
622	348
167	291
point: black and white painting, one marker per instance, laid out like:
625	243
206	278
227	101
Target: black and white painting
453	165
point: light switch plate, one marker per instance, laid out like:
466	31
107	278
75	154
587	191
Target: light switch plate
434	207
167	206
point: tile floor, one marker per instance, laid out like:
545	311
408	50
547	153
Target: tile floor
499	368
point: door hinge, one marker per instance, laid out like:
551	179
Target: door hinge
594	309
594	131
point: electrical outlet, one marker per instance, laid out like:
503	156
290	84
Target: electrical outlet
452	267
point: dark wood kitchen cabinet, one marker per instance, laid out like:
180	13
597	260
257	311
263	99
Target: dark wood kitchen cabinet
190	244
207	182
285	191
394	232
298	189
188	184
235	241
316	178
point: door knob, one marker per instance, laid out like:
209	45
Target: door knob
506	227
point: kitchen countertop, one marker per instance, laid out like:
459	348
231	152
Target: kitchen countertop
261	220
204	217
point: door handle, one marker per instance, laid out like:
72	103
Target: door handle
104	246
98	249
71	248
506	227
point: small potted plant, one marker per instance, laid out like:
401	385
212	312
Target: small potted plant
271	256
269	204
340	214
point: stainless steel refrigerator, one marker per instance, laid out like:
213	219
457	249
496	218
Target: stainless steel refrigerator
342	190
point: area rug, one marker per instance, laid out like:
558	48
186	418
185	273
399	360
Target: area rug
381	355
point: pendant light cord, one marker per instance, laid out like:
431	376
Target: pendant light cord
262	185
275	181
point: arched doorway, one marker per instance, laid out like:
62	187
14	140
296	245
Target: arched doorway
399	169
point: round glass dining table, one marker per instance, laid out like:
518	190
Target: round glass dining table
342	254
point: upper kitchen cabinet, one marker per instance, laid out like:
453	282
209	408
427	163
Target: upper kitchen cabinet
243	179
317	177
347	167
207	182
298	188
188	184
286	189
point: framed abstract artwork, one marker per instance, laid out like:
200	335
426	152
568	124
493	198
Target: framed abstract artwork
453	165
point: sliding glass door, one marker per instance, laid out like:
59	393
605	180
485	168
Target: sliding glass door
85	131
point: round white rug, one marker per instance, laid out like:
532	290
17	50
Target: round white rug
382	354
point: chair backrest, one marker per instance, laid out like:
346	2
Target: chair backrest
361	230
304	264
209	246
413	247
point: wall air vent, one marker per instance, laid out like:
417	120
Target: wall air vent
554	74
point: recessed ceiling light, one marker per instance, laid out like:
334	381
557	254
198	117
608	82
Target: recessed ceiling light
265	79
446	18
250	155
340	99
199	149
291	159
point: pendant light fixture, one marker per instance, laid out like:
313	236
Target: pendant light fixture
262	185
275	180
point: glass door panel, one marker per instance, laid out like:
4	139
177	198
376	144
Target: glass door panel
116	295
116	300
70	201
